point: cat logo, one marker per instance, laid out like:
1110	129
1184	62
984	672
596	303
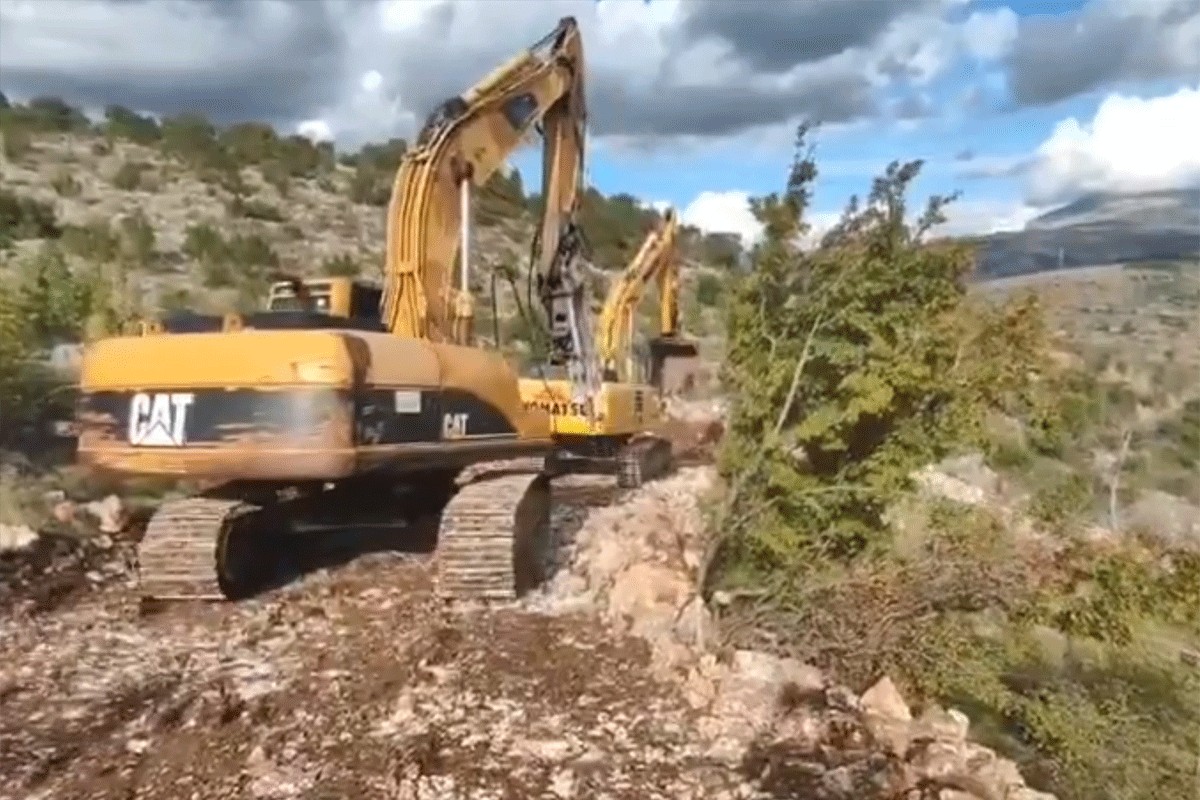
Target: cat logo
454	426
159	420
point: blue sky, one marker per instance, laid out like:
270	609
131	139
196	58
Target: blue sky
977	150
1020	104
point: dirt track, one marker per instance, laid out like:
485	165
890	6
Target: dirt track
350	682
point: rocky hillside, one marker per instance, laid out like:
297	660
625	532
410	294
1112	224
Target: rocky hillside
179	213
1099	229
608	683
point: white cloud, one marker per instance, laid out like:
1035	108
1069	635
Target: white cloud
975	217
372	70
317	130
990	35
371	81
1131	144
723	212
729	212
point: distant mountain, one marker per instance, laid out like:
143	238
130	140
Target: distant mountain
1098	229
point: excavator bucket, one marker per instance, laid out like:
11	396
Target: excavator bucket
674	365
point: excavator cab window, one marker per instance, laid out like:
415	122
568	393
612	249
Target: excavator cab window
364	301
283	298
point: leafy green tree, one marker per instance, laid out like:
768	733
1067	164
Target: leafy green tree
250	142
708	289
26	218
121	123
839	360
55	114
56	301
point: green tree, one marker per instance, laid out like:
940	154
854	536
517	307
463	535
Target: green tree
250	142
839	359
26	218
708	289
56	301
121	123
854	364
55	114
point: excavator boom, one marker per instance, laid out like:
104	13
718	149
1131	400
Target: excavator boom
656	260
462	143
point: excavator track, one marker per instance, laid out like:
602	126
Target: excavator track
187	549
643	460
495	539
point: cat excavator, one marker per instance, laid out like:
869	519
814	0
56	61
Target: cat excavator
615	427
296	417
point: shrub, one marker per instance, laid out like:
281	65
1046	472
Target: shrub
276	174
341	265
94	241
128	176
202	242
65	184
121	123
251	253
17	140
708	289
255	209
26	218
137	238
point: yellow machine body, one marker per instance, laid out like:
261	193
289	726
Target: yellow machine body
340	393
281	405
618	409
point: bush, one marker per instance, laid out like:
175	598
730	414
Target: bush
65	184
341	266
370	186
25	218
17	140
375	171
252	253
275	173
128	176
708	289
137	239
203	243
255	209
121	123
95	241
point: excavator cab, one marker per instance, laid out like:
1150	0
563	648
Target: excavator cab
292	303
674	364
338	297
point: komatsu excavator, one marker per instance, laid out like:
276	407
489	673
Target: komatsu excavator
615	426
296	415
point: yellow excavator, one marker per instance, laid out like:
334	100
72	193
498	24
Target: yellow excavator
295	416
616	427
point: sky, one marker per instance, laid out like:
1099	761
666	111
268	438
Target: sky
1019	105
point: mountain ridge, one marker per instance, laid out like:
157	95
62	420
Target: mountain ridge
1097	229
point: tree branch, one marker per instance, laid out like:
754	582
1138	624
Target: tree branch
1114	481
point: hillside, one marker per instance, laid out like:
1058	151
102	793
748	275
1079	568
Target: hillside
914	499
1099	229
183	214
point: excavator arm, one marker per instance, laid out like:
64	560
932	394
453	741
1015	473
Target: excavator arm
462	143
656	260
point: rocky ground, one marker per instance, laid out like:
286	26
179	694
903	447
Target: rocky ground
354	681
